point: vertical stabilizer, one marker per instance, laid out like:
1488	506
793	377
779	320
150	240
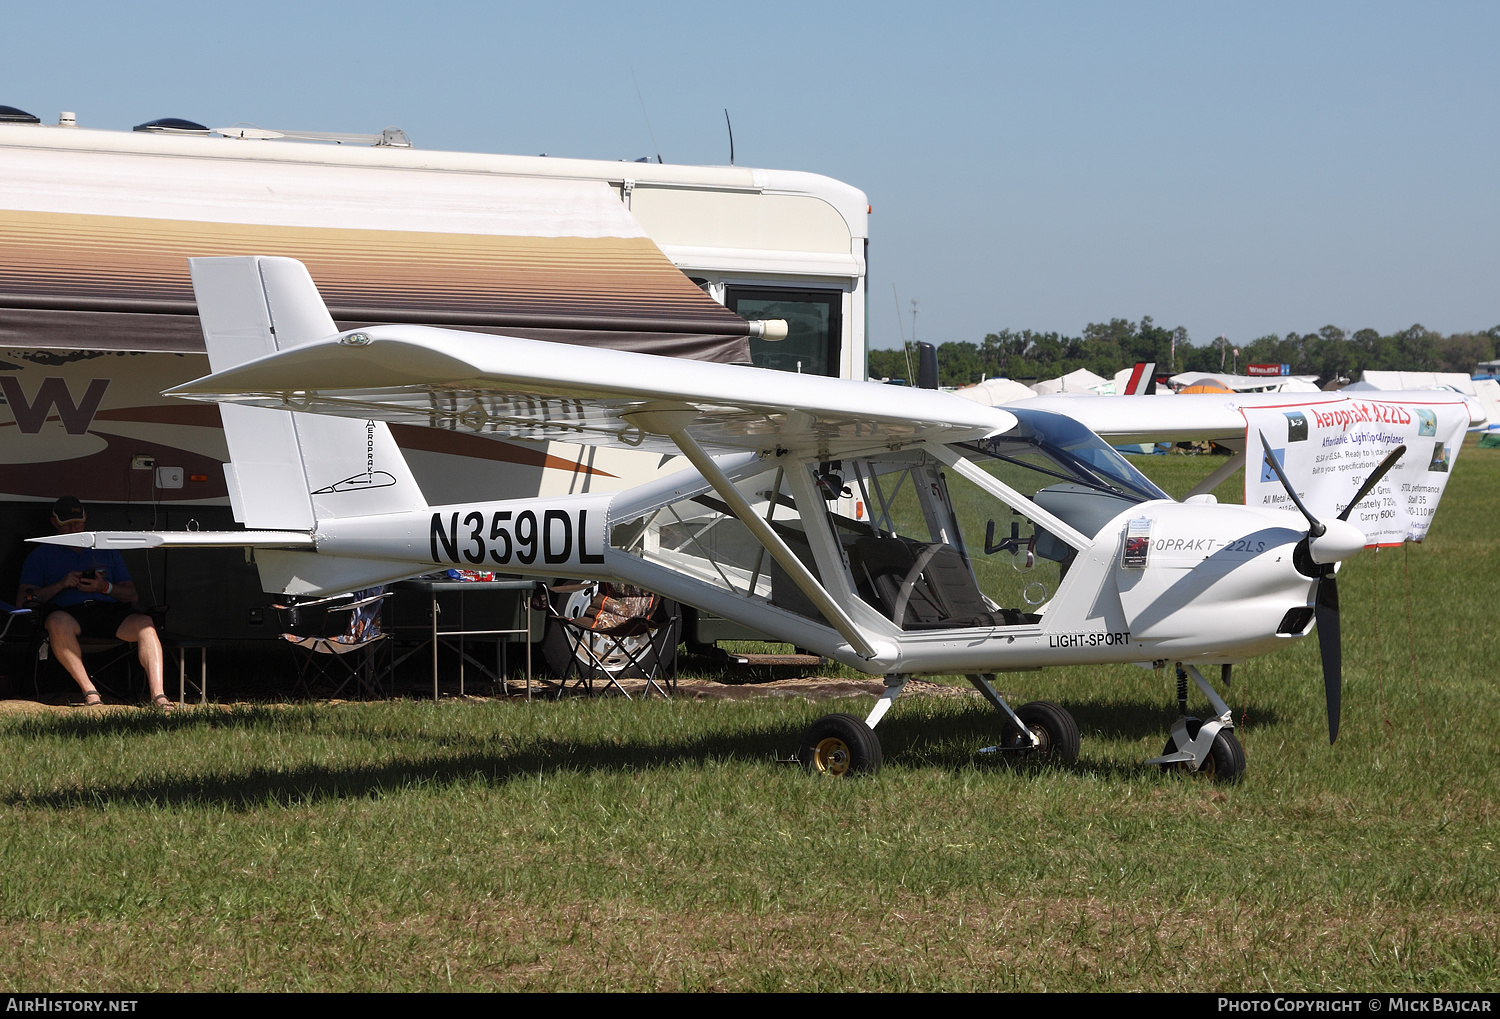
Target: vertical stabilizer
1142	381
286	470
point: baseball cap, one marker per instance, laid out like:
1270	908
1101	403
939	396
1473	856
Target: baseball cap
67	508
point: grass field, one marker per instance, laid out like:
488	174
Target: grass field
611	845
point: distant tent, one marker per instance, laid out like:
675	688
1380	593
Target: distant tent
1459	381
1081	381
1224	382
994	392
1486	391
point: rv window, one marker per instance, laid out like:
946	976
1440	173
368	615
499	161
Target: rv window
814	327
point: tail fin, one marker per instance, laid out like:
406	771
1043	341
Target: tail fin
1142	379
288	471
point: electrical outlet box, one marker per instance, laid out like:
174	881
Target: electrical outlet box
142	462
169	477
257	615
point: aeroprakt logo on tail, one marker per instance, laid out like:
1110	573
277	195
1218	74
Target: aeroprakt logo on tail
371	478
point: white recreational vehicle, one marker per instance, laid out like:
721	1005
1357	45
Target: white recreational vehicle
97	314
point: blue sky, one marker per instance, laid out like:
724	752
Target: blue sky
1237	169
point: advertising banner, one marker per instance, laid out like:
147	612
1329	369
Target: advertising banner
1329	449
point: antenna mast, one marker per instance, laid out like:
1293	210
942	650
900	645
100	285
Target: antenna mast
655	147
910	375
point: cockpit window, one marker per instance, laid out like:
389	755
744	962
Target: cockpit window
1055	445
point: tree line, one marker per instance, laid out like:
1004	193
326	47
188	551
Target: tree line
1105	348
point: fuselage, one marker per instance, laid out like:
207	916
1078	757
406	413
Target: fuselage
1162	581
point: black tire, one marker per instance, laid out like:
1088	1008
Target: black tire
1053	726
840	745
1226	758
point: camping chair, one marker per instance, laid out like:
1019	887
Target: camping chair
623	631
339	640
13	617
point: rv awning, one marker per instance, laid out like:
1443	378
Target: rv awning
94	249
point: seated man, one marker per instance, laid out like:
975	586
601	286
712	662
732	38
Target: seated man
88	592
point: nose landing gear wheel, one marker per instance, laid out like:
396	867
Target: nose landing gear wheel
1225	763
1055	730
840	745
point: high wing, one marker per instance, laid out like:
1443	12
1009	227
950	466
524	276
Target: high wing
506	387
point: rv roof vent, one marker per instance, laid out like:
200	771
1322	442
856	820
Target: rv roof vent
11	115
171	125
391	137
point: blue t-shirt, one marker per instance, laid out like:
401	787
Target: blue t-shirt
48	564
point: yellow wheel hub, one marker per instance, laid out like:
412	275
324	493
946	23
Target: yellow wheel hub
832	756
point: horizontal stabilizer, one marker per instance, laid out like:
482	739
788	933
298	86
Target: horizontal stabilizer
307	573
124	540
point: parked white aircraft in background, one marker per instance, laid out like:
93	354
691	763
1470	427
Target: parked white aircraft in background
1093	562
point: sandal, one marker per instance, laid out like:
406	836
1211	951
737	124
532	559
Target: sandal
93	699
161	702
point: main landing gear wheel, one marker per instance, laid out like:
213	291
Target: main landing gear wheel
1226	758
1055	730
840	745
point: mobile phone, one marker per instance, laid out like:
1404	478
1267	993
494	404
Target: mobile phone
88	574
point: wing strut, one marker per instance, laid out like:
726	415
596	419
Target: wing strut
672	422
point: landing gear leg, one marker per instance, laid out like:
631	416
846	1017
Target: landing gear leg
985	684
1207	749
1040	728
893	687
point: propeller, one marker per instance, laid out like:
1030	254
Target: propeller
1317	556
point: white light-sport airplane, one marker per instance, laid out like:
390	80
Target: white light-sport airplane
832	514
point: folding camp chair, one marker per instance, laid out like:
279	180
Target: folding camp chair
339	640
14	619
622	631
13	616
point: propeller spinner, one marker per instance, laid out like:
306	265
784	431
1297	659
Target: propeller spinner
1318	554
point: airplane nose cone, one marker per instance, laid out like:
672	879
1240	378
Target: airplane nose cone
1341	541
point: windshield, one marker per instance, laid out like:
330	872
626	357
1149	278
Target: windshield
1076	454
